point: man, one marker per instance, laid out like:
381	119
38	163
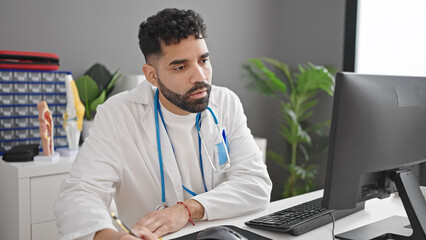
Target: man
161	144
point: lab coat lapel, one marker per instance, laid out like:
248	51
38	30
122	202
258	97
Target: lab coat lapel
144	95
209	131
172	178
148	125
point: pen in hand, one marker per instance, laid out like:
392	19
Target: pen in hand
124	227
121	224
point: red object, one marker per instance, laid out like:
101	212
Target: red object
190	220
28	60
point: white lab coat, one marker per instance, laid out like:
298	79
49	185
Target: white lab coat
119	160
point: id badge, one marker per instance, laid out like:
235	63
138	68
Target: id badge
221	158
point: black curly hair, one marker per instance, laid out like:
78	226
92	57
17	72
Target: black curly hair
169	26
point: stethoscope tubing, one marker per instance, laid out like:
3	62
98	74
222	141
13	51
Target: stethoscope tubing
157	110
160	157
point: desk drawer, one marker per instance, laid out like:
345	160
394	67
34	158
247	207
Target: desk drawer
44	191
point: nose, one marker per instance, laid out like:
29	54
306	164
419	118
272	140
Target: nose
199	74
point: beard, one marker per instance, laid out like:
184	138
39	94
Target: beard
184	101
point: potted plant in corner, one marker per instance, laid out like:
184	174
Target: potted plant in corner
94	88
297	94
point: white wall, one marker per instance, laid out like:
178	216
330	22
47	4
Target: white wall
83	32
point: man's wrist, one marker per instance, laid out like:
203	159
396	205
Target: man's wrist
195	207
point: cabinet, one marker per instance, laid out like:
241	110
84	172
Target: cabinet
28	192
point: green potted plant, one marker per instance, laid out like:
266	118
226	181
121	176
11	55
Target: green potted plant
297	94
94	88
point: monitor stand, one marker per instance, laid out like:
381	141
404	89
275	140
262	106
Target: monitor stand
397	227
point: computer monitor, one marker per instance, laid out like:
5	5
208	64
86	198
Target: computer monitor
378	132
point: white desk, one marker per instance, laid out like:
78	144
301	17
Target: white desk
28	191
375	210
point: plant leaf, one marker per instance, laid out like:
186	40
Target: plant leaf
98	100
256	82
304	152
302	135
115	77
313	77
306	109
87	89
287	190
307	172
306	115
100	74
319	128
268	76
283	67
286	133
275	157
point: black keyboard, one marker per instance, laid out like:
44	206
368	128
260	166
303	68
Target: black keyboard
301	218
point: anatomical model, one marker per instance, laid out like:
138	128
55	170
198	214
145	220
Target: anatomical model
46	128
73	115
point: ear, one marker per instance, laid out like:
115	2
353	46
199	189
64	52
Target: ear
150	74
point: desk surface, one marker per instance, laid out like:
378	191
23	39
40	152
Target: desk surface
375	210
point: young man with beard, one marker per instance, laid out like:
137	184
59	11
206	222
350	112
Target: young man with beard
173	150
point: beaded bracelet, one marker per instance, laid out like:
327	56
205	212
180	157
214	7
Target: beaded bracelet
190	220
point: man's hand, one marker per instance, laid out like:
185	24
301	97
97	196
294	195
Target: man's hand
170	219
109	234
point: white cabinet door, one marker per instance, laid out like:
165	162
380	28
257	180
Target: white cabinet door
44	191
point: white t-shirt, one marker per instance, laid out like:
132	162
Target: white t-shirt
184	138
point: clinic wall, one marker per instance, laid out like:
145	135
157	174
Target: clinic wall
313	31
84	32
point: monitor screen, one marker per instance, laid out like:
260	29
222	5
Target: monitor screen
378	129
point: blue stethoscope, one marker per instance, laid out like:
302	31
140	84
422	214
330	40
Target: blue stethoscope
222	150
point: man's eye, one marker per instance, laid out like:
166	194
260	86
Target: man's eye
205	60
179	68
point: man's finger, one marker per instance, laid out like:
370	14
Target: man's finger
152	222
164	221
144	233
163	230
145	221
155	225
